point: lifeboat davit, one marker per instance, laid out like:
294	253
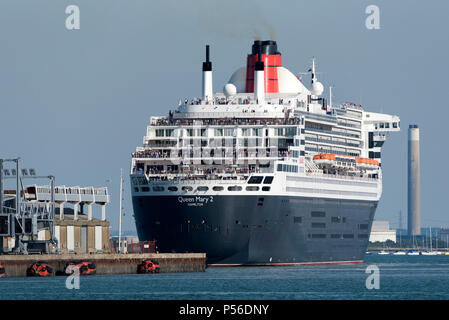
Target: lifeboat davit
39	269
343	161
85	268
365	163
148	266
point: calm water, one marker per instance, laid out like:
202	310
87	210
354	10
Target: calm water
401	277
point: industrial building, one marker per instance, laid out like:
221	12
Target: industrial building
74	231
380	232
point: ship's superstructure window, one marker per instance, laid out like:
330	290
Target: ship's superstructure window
234	188
317	236
255	180
145	189
335	219
172	188
252	188
318	225
287	168
218	188
297	219
265	188
318	214
348	236
158	188
202	188
268	180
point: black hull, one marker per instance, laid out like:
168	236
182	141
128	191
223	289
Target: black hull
248	230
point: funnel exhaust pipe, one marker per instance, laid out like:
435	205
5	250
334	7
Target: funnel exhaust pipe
259	79
207	78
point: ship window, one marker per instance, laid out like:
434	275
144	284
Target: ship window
268	180
335	236
136	189
172	188
318	225
202	188
265	188
251	188
336	219
297	219
395	124
158	188
145	189
318	236
363	236
255	180
318	214
363	226
187	188
234	188
387	125
348	236
217	188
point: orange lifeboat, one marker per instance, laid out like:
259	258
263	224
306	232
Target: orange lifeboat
365	163
148	266
334	160
39	269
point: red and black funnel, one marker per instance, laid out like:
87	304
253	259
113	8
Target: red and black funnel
271	59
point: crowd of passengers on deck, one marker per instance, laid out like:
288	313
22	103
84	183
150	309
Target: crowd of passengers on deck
204	154
176	122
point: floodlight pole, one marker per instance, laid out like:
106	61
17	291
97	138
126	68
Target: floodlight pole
120	215
18	211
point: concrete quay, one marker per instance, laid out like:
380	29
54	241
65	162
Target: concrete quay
16	265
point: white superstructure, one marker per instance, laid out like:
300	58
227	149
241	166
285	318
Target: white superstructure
229	142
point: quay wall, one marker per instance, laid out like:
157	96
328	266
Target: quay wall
16	265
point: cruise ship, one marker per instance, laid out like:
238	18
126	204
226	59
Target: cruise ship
267	172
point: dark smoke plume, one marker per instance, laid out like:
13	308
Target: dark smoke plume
233	18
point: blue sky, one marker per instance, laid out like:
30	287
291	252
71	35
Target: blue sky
76	103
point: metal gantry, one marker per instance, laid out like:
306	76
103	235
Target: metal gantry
23	221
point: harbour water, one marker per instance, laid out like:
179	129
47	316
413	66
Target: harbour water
401	277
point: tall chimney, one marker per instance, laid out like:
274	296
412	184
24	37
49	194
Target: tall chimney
414	223
207	78
259	79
